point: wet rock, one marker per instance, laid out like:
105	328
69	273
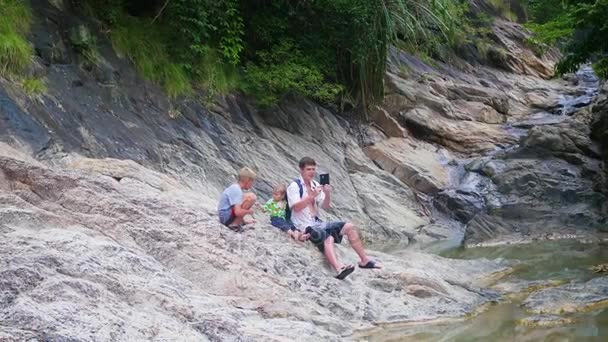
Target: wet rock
484	227
569	298
542	100
416	165
538	197
463	205
544	321
105	73
599	125
523	287
567	137
601	268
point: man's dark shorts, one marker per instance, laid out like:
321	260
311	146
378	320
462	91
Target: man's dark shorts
320	231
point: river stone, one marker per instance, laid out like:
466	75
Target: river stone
479	112
525	286
542	100
544	321
569	298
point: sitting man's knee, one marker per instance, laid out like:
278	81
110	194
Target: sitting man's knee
348	227
329	240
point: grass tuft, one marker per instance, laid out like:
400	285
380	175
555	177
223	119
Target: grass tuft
15	50
34	86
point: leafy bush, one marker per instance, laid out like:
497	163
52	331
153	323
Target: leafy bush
284	69
320	48
143	43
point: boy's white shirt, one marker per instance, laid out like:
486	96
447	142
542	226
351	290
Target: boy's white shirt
303	218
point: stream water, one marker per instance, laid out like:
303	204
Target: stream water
559	261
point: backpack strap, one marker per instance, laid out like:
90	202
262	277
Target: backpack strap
301	187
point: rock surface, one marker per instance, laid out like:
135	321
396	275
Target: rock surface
113	251
415	164
570	298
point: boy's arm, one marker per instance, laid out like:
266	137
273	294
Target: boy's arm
236	197
239	211
266	206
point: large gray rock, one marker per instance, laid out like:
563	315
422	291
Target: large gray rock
113	251
414	163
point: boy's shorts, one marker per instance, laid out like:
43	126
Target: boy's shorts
227	216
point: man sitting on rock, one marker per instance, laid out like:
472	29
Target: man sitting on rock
304	196
234	205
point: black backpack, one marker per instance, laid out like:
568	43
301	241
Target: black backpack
287	209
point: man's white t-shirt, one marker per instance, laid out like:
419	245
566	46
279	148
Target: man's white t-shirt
303	218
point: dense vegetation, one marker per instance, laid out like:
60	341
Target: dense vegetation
578	27
333	51
324	49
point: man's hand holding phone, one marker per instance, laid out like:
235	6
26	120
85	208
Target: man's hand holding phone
314	192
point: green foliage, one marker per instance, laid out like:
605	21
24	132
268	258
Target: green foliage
34	86
344	40
108	11
15	50
579	28
213	75
323	49
199	24
284	69
143	44
504	7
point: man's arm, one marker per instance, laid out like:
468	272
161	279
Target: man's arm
295	202
327	200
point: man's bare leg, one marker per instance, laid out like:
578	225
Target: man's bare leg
355	241
330	254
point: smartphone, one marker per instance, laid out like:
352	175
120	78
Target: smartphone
324	178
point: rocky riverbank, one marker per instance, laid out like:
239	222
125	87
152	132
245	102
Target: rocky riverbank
109	250
108	191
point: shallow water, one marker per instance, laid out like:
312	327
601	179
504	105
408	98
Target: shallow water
552	260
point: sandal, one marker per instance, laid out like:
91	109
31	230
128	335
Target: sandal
345	271
370	264
237	228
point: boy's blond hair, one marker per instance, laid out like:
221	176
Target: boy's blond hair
280	188
246	173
